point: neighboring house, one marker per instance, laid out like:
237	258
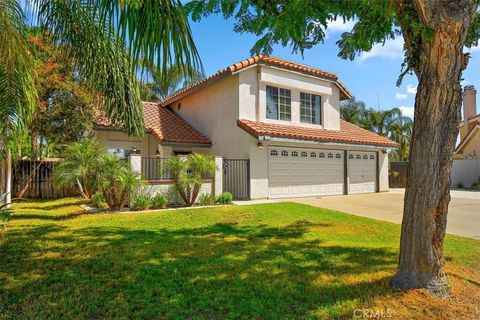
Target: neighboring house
282	116
469	146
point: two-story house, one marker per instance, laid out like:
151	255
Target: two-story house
469	127
283	117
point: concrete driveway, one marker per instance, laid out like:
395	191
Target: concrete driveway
463	214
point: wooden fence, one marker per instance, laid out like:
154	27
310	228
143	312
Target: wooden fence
397	175
37	177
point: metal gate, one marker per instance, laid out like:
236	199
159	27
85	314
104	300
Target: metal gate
236	178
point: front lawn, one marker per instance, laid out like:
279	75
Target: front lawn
271	261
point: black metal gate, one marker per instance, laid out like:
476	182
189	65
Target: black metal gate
236	178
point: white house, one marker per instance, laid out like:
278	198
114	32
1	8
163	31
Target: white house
282	119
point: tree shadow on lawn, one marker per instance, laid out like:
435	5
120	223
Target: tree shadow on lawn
215	272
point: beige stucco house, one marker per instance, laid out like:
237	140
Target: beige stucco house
469	127
281	117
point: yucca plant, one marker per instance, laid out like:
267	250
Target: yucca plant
189	174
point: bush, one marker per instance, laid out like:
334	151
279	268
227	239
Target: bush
475	186
225	198
159	201
460	185
97	200
207	199
140	202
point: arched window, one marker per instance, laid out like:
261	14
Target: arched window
330	155
313	154
294	154
321	155
338	156
351	156
284	153
304	154
365	157
274	153
372	157
358	156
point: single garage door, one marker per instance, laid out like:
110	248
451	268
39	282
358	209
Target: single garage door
298	172
362	171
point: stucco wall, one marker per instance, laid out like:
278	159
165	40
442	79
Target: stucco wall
116	139
300	83
214	111
473	147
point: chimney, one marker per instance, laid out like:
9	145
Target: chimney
469	107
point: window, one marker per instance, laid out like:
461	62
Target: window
351	156
310	108
313	154
330	155
294	154
338	156
274	153
284	153
279	104
358	156
322	155
365	157
372	157
304	154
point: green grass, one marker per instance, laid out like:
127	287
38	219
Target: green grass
272	261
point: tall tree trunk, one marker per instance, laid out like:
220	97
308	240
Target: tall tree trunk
8	178
437	115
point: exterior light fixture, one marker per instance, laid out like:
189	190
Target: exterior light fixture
157	153
260	145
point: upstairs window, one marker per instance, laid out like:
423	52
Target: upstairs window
310	107
279	104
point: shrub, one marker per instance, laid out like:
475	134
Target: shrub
97	200
159	201
225	198
207	199
140	202
475	186
460	185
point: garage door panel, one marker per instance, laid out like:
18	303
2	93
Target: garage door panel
362	171
304	172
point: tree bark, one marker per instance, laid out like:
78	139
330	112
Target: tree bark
8	179
441	62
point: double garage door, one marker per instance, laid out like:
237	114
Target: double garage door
299	172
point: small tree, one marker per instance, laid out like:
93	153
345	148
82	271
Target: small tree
116	181
80	166
188	174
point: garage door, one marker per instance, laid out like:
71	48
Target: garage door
362	171
297	172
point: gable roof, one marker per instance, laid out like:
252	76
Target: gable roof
165	125
262	60
467	138
348	133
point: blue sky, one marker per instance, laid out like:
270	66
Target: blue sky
371	77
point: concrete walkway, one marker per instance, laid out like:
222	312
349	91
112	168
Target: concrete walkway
463	216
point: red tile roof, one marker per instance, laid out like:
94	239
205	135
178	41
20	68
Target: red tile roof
165	125
473	126
348	133
270	61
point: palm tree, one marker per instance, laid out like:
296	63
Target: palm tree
165	84
80	167
105	39
353	111
382	121
401	132
188	174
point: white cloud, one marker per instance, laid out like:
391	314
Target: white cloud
411	89
407	111
400	96
392	49
339	25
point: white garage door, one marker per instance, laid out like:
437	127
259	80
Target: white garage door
362	171
297	172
